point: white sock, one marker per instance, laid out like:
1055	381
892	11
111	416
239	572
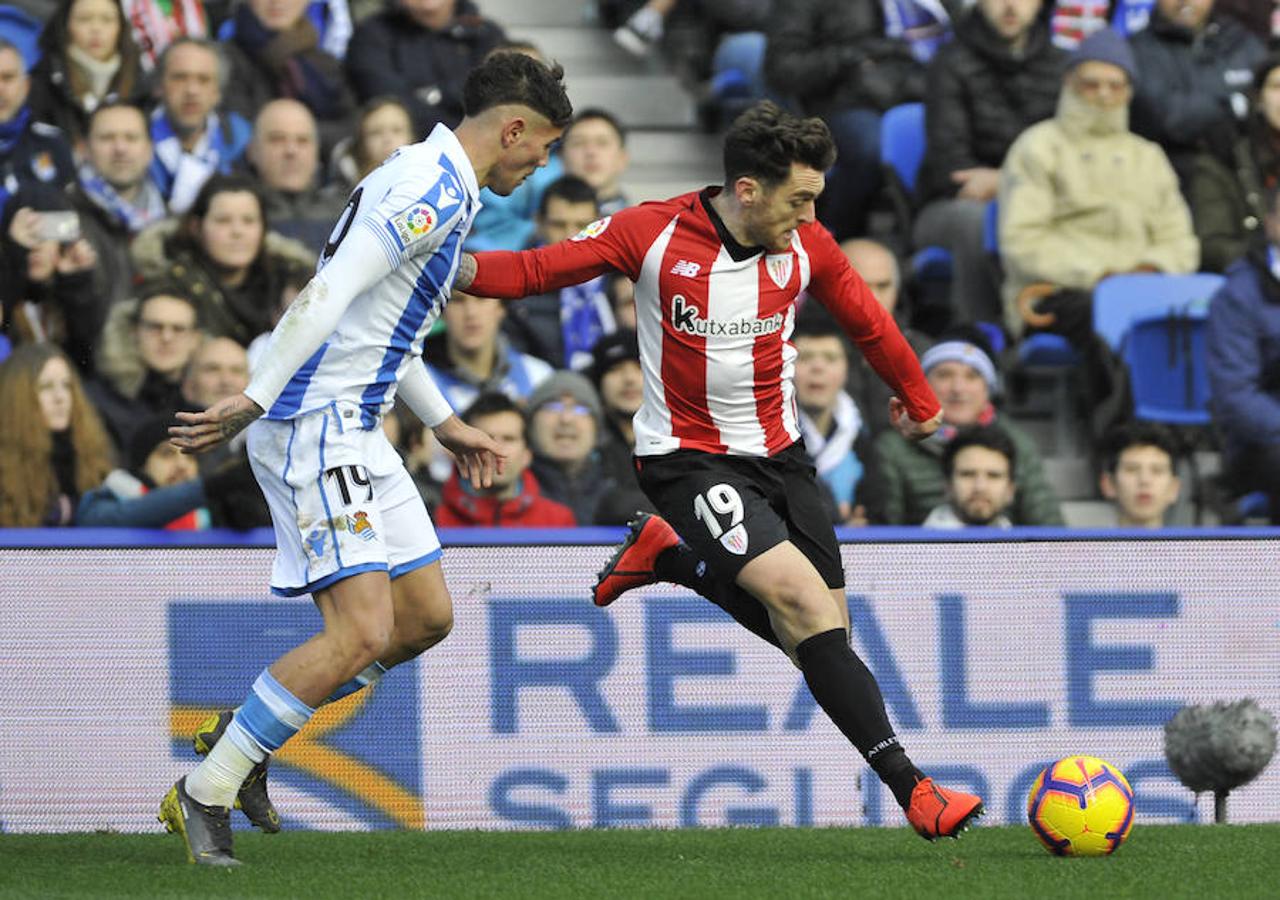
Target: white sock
217	780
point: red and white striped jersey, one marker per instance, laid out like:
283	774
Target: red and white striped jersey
714	319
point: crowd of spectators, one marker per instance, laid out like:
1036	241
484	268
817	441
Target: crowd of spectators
169	173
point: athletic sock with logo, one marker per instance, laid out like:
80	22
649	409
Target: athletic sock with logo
681	565
847	692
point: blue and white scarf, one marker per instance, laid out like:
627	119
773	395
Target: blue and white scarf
147	209
180	174
11	132
923	24
585	316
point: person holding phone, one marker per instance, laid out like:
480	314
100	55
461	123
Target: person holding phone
47	278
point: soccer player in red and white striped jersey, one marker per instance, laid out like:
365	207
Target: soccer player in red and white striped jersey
718	446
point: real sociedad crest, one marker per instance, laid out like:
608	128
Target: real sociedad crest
780	266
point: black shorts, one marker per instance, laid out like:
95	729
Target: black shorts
731	509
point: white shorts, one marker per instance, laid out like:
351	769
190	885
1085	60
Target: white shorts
341	501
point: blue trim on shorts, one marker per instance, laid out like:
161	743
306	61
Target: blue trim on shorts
328	580
406	568
293	495
333	530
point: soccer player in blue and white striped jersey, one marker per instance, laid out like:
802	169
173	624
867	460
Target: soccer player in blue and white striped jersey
351	528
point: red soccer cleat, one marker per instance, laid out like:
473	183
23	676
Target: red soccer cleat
938	812
632	565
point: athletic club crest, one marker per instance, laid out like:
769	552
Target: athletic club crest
735	540
779	266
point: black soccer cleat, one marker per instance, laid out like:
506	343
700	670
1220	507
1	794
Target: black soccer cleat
206	830
252	799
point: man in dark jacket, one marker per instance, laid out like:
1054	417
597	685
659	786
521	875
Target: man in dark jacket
999	76
32	154
834	57
617	376
565	419
115	196
1244	365
1194	70
275	52
421	53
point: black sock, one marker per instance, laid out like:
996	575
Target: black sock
847	692
680	565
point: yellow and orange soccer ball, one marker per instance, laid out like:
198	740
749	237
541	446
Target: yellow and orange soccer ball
1081	806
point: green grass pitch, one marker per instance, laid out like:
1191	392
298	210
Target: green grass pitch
1158	861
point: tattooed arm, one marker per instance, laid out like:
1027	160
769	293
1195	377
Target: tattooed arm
216	425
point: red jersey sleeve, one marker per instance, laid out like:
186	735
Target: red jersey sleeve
615	243
835	284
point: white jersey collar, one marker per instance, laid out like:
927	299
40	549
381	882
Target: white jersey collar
449	144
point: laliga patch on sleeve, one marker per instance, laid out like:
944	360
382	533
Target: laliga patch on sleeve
414	223
595	229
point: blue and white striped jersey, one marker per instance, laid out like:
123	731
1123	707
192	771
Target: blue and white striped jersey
391	260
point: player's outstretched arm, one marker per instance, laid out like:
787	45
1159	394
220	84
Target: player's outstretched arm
910	429
218	424
477	455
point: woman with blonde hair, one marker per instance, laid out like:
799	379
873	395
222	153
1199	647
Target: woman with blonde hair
54	447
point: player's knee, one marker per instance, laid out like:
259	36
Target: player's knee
793	597
432	628
366	641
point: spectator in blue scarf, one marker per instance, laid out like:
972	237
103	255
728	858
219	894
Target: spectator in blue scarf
31	154
193	139
563	326
114	194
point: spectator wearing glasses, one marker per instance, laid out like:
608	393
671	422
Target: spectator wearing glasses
142	358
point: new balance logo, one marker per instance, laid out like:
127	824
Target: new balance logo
686	269
685	317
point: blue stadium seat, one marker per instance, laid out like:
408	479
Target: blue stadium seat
21	29
902	142
1168	369
1046	350
991	229
1120	299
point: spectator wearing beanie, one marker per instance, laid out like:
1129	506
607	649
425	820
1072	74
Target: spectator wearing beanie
160	489
961	372
615	370
565	423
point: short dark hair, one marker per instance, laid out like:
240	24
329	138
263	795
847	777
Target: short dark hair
991	437
210	46
603	115
163	287
765	140
570	189
490	403
1137	434
116	103
813	320
512	77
